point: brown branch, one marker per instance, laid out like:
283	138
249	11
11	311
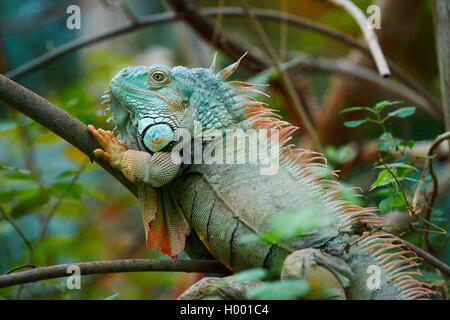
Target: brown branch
348	68
72	46
441	11
435	262
429	166
272	15
113	266
207	31
24	266
57	121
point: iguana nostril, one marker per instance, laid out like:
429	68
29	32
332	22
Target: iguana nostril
157	137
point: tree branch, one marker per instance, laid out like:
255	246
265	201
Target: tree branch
113	266
348	68
369	35
435	262
14	225
266	14
284	77
56	120
441	11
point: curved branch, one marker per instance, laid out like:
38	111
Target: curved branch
351	69
113	266
72	46
267	14
56	120
369	34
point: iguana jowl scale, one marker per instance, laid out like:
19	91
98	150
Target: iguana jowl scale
225	203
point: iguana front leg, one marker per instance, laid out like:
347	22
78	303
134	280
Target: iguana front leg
138	166
148	172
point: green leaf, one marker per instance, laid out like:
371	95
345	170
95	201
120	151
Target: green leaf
398	201
278	290
16	174
397	165
402	112
383	104
354	124
295	223
212	298
385	205
386	142
338	154
254	274
384	178
29	201
355	109
408	143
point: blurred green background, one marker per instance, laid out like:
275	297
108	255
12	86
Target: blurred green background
92	216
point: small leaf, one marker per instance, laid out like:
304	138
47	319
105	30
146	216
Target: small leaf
386	141
254	274
397	165
355	109
384	178
354	124
385	205
212	298
29	201
278	290
383	104
398	201
408	143
402	112
295	223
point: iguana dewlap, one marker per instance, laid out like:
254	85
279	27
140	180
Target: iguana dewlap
227	205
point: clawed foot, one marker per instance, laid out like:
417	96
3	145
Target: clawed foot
113	149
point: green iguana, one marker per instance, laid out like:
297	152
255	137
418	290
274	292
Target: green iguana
223	204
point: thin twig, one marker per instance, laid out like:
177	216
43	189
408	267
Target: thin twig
45	223
402	190
218	22
369	35
429	166
129	13
21	267
13	224
428	162
435	262
49	216
284	77
113	266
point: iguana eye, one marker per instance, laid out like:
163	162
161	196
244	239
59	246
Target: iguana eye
158	78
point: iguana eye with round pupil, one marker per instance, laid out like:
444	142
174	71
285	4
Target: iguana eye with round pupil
158	76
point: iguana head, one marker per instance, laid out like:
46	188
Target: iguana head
151	106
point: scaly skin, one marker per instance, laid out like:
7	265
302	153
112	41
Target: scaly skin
228	205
